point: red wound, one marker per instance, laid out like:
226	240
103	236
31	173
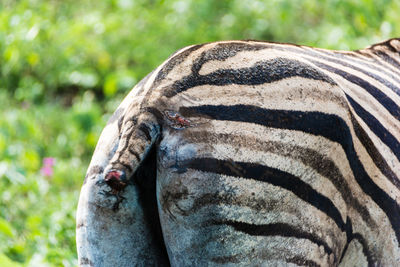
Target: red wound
176	121
113	180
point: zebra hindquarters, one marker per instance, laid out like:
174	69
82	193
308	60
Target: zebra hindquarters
242	194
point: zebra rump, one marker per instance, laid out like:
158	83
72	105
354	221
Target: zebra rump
250	153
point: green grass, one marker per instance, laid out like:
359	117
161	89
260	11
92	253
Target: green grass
65	66
37	213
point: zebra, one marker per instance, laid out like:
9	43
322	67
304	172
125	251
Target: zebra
250	153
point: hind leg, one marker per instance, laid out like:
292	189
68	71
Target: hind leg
215	219
217	209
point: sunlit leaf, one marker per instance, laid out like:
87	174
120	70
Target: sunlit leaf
6	262
6	228
33	59
110	85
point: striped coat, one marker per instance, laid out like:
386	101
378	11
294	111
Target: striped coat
250	153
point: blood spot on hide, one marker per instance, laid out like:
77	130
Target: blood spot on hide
176	120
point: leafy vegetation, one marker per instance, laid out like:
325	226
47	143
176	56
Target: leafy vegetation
65	66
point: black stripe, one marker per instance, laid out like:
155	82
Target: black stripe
272	176
318	54
145	130
126	166
350	237
226	259
329	126
375	155
156	113
301	261
385	44
388	58
134	153
220	51
376	67
262	72
85	261
385	101
127	129
116	115
394	44
275	229
317	123
363	242
175	59
223	51
376	127
120	123
388	84
127	138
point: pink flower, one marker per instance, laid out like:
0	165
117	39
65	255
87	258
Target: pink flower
47	169
49	162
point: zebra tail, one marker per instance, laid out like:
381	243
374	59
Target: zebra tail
112	226
137	138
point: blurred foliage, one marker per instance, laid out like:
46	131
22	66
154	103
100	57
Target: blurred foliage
65	66
55	47
37	212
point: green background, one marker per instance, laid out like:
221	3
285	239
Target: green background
65	65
